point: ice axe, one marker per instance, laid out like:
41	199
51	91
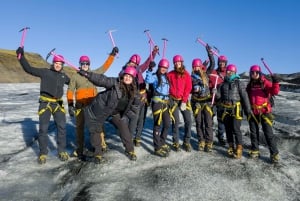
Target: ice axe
215	51
24	30
215	87
54	54
267	67
111	37
165	46
151	42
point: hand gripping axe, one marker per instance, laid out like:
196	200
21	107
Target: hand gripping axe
24	30
267	67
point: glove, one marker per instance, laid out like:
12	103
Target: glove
72	110
84	73
183	106
205	63
275	79
114	51
20	50
214	91
151	66
208	49
155	49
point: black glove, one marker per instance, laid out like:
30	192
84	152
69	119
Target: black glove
209	50
72	110
20	50
114	51
151	66
275	79
83	73
205	63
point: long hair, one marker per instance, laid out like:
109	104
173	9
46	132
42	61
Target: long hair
128	90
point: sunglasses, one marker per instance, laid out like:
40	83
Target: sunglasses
254	72
85	63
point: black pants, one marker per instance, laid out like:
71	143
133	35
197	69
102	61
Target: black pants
122	126
267	130
233	130
59	117
204	122
187	118
161	124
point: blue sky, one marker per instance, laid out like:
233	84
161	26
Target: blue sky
244	31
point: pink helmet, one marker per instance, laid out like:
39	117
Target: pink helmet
197	62
58	58
135	59
84	58
130	70
231	67
222	58
177	58
164	63
255	68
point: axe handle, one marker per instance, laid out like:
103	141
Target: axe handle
214	94
22	41
204	44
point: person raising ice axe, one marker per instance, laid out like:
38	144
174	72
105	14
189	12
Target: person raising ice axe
50	103
80	93
202	102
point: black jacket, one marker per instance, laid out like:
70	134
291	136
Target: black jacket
106	102
52	82
232	92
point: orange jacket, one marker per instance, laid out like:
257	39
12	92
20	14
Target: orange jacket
81	91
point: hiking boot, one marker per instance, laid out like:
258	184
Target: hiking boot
254	154
187	147
161	152
239	151
76	153
63	156
176	146
137	142
42	159
166	148
208	147
230	151
201	146
221	140
98	159
131	155
275	158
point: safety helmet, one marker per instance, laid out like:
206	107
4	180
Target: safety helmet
255	68
58	58
84	58
177	58
130	70
231	67
163	63
222	58
135	59
197	62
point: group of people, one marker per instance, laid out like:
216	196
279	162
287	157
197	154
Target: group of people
202	94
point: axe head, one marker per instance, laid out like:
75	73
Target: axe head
146	30
24	29
50	53
165	39
109	31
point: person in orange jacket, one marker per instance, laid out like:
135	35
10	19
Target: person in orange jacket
80	93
